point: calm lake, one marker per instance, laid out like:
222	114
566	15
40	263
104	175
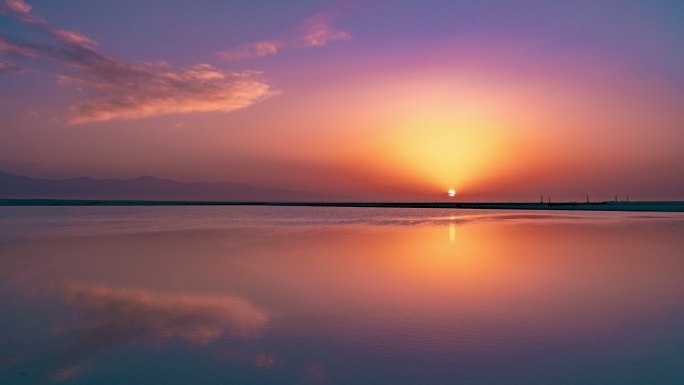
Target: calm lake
278	295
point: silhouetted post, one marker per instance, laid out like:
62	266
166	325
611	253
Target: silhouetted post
615	197
541	199
627	198
549	199
587	198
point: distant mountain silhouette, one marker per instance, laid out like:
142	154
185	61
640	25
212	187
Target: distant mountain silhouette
144	188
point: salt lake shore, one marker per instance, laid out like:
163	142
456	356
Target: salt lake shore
644	206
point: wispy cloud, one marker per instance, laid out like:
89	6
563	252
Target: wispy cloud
118	91
22	10
8	47
73	37
316	31
9	68
252	50
114	89
17	6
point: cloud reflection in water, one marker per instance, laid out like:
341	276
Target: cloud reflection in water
124	315
108	317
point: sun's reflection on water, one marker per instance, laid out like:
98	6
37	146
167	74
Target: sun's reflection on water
452	232
382	288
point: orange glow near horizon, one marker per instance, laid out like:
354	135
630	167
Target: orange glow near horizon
507	138
498	117
432	135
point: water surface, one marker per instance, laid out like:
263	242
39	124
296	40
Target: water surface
294	295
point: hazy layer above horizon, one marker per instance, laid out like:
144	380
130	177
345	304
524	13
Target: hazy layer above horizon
392	99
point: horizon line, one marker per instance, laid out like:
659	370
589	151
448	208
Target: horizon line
641	206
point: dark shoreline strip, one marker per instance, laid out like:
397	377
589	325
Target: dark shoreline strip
645	206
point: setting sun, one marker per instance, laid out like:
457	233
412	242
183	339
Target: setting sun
342	191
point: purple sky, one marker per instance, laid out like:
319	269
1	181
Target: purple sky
384	99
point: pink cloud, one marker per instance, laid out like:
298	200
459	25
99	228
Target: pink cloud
9	68
317	31
17	6
133	92
15	49
22	10
114	89
252	50
72	37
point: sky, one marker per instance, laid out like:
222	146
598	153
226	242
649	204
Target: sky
379	99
